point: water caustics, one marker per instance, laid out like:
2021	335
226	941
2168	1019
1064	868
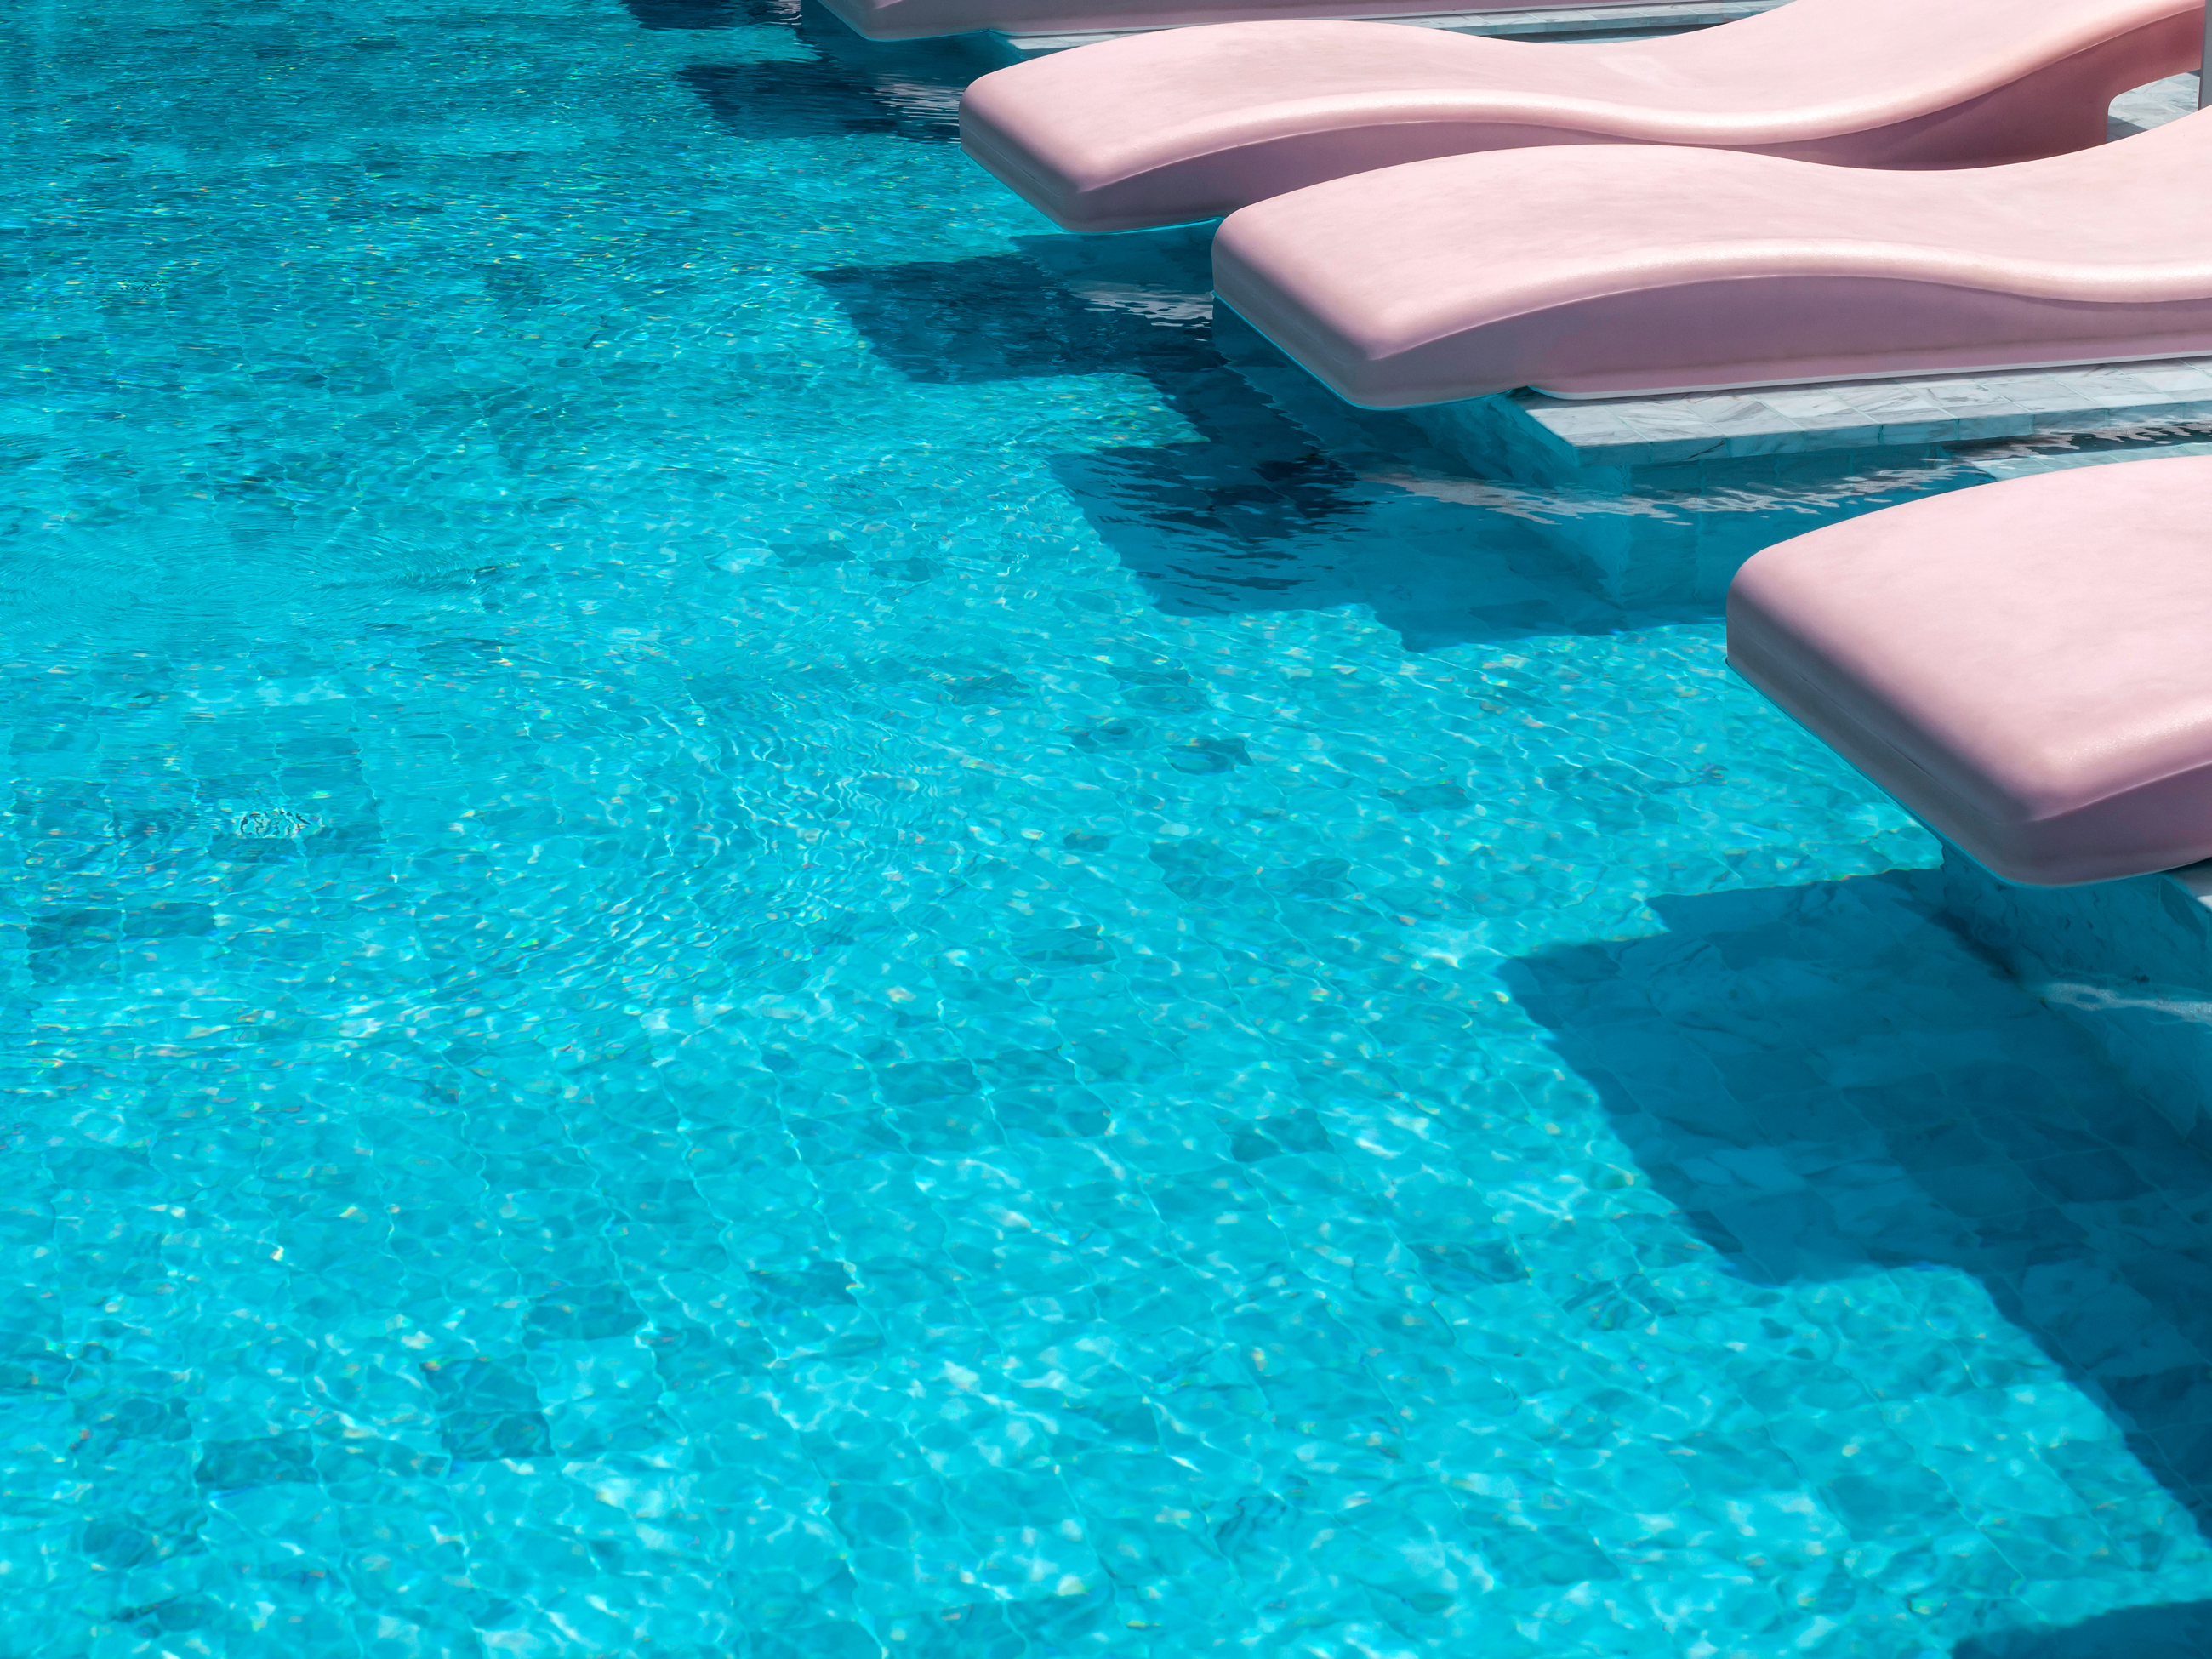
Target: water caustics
752	912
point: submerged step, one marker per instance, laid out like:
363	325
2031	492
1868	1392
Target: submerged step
1704	426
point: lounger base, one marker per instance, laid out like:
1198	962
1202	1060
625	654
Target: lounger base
2130	961
1739	387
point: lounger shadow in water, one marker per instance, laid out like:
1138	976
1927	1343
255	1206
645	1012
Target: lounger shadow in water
1256	513
1145	310
1828	1081
2182	1630
849	86
1288	500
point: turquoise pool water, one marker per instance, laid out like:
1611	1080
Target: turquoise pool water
746	917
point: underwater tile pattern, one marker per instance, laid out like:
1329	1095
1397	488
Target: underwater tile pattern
744	917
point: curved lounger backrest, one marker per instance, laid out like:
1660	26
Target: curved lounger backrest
1193	123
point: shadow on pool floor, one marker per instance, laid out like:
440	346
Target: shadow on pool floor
1253	516
898	88
1290	499
2183	1631
1828	1080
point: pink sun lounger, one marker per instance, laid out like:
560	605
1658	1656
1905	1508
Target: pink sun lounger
1168	129
916	20
1627	270
2026	666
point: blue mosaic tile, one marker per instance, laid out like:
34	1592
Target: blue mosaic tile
752	913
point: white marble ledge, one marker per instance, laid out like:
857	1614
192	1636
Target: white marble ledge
1706	425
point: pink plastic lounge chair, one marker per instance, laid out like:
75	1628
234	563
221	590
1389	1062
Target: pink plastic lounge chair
1622	270
914	20
1167	128
2024	665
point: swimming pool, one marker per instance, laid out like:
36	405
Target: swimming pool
747	919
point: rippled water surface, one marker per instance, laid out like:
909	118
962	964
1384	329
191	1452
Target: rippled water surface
754	913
